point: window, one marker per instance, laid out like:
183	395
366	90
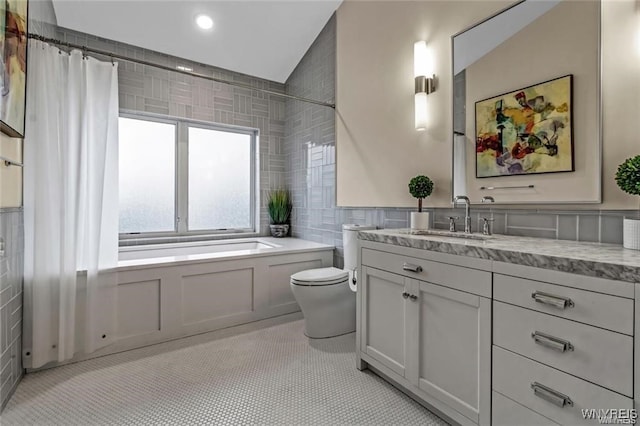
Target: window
179	177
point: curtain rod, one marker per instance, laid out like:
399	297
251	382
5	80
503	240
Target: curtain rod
113	55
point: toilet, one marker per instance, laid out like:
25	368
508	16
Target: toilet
325	296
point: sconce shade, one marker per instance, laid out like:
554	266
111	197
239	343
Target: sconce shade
420	59
421	107
424	82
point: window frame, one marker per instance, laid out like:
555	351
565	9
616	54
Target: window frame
181	178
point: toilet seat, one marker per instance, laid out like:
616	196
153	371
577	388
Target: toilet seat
320	277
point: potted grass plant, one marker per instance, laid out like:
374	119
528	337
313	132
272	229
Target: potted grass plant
279	206
420	187
628	179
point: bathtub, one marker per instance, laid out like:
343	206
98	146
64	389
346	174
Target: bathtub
168	291
133	255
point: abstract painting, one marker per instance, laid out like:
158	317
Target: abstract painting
526	131
13	74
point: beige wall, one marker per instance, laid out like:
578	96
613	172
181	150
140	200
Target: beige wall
378	149
10	176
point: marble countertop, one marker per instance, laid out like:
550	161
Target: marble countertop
592	259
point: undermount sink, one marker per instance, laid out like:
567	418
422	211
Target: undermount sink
443	233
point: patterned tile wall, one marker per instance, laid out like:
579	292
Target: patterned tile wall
11	278
152	90
309	147
309	144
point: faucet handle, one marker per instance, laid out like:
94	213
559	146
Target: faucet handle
486	225
452	223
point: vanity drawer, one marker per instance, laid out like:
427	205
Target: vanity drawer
507	412
515	375
599	356
457	277
610	312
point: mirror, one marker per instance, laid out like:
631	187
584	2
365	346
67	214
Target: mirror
518	134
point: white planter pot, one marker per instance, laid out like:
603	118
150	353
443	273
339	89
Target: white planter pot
419	221
631	234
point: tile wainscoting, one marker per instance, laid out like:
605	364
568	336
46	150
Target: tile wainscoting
11	279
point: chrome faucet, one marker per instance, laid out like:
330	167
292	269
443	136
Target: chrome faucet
467	215
486	222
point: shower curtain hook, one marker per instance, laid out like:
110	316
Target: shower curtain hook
112	63
84	52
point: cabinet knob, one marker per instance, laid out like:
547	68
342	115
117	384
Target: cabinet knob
405	294
413	297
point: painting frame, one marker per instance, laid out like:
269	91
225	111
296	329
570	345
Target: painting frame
14	30
518	133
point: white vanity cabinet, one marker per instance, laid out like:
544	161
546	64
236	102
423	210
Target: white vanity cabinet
425	322
492	342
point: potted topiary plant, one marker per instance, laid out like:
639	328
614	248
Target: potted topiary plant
420	187
279	206
628	179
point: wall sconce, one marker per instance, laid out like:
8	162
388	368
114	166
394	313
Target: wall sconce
424	82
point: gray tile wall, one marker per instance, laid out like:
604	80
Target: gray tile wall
11	278
309	144
459	101
604	226
152	90
309	148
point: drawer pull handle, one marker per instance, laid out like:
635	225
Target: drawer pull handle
548	394
551	342
551	300
405	294
411	267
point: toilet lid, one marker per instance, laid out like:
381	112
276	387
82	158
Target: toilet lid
320	276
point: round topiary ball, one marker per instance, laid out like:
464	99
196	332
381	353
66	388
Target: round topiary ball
421	187
628	175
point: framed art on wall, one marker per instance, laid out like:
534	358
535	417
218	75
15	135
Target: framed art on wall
526	131
13	74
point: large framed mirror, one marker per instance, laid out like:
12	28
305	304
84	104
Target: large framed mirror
527	105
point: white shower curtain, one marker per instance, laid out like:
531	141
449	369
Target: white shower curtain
70	204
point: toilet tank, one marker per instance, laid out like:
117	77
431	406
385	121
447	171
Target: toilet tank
350	244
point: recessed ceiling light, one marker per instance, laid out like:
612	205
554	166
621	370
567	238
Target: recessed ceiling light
204	21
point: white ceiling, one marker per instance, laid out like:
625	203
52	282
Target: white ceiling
263	38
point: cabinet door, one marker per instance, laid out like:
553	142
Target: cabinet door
383	335
453	340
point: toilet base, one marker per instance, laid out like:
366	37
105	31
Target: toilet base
328	311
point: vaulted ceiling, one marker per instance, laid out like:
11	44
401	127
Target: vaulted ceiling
263	38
